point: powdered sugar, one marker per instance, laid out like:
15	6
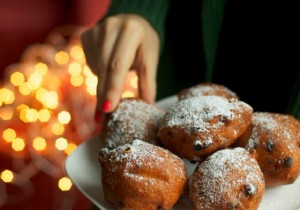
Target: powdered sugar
133	119
207	89
143	155
265	120
270	124
217	177
196	113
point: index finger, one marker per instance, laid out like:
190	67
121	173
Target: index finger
121	61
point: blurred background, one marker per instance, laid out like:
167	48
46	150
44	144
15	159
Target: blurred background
47	100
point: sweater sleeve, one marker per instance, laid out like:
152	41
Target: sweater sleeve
294	105
154	11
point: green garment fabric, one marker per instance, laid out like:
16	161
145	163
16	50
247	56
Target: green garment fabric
253	50
154	11
212	16
294	104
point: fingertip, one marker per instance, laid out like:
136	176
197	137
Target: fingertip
110	104
150	99
107	106
148	94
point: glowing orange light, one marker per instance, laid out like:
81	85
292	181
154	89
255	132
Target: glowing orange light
22	107
39	144
61	143
57	129
71	147
87	71
41	68
35	80
31	115
77	53
18	144
91	91
7	176
44	115
61	57
127	94
91	83
17	78
23	113
50	99
76	81
64	117
64	184
75	69
40	94
25	88
7	96
134	82
9	135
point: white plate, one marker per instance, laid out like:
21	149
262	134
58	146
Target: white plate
84	170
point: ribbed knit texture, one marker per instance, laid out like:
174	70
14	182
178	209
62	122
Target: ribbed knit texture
153	11
212	16
294	105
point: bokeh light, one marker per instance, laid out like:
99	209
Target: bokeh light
7	176
64	184
71	147
64	117
25	88
62	58
7	96
57	128
44	115
18	144
17	78
39	144
75	69
9	134
47	104
127	94
41	68
61	143
134	82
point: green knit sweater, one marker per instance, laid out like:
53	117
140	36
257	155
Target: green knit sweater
229	43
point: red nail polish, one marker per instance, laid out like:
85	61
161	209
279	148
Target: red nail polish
98	117
106	106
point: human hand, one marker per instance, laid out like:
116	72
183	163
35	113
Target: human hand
115	46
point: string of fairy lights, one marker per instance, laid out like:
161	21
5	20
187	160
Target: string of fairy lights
47	103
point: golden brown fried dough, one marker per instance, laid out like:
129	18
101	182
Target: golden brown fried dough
227	179
206	89
273	140
132	119
198	126
140	175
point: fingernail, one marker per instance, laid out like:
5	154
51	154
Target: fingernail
106	106
98	117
